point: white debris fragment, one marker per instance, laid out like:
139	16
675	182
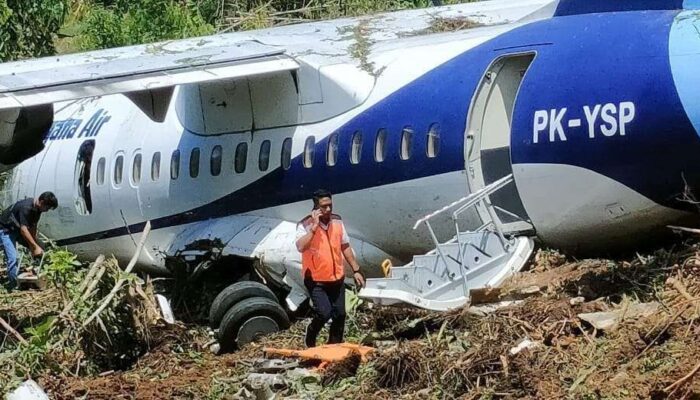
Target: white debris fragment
577	300
165	309
523	345
485	309
29	390
609	320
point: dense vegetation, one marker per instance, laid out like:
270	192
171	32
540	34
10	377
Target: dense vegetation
35	28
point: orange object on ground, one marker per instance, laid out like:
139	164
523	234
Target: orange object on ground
325	353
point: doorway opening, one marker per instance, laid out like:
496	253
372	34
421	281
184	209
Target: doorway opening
83	165
487	142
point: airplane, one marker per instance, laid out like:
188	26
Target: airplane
572	123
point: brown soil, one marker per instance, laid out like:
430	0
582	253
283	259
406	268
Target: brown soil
462	355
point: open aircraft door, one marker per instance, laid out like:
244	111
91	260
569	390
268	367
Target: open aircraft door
488	139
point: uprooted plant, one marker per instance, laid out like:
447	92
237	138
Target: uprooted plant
95	328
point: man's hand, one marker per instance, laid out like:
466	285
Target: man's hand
359	279
315	216
37	251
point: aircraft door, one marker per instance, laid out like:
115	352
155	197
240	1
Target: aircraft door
82	182
487	141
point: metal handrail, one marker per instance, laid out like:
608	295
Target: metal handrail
473	198
486	191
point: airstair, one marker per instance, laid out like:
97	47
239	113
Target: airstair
442	279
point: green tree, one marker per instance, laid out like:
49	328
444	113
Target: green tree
29	27
114	23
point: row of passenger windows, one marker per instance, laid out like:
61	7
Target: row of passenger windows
241	155
380	148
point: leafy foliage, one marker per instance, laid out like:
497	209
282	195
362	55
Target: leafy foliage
121	23
29	26
61	268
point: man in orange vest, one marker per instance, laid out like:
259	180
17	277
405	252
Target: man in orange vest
323	243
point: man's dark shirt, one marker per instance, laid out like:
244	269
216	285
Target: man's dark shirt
21	213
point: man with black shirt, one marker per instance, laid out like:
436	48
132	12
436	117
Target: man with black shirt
20	221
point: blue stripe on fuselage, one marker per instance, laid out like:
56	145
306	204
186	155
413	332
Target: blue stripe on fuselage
591	59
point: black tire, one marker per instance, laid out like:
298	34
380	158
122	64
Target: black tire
258	316
232	295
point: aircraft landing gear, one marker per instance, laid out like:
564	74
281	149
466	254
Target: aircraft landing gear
250	319
245	311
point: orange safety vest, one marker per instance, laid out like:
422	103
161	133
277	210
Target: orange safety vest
322	261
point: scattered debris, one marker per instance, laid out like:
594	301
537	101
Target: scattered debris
452	24
541	346
523	345
28	390
606	321
326	353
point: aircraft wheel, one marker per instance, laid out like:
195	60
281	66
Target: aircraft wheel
232	295
250	319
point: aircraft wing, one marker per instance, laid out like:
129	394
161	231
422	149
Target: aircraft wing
133	69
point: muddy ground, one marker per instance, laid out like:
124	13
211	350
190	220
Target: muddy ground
538	347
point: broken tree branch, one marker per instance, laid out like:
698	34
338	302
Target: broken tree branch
674	386
12	331
120	282
680	287
90	275
683	229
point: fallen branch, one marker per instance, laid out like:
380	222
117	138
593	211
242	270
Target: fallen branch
95	266
12	331
120	282
674	386
680	287
683	229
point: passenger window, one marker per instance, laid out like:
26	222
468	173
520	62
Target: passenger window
380	146
332	153
194	163
264	157
309	147
406	143
241	157
286	153
215	162
155	166
101	171
136	170
175	165
433	148
118	169
356	149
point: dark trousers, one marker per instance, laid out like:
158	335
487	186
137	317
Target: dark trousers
328	302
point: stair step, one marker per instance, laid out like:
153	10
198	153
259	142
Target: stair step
422	279
430	283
